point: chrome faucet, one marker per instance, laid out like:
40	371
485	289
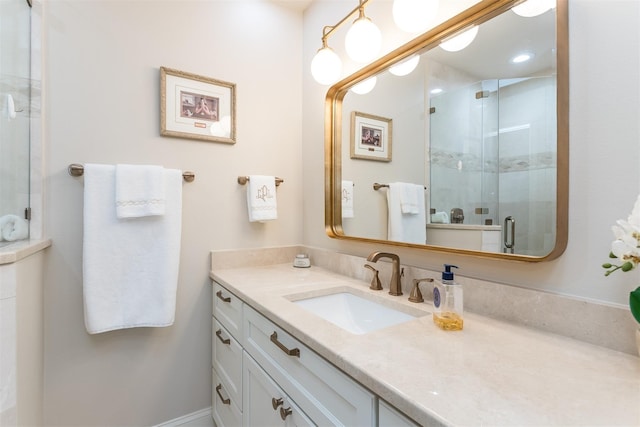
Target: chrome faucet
395	284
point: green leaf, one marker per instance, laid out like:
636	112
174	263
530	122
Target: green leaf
634	303
611	255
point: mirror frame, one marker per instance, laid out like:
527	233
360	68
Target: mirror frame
477	14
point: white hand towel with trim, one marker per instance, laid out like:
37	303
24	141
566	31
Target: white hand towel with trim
261	198
139	191
347	199
130	266
13	228
410	198
410	228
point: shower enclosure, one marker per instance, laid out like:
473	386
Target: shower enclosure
493	155
15	119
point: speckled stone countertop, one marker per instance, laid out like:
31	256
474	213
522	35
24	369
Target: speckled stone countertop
491	373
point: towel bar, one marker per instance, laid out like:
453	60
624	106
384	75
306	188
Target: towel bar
76	169
377	186
242	180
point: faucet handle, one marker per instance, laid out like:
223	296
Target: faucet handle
375	280
416	295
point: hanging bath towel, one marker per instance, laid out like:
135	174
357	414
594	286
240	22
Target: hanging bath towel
406	227
130	266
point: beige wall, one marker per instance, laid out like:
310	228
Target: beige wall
101	76
604	134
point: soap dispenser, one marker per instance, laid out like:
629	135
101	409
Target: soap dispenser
447	301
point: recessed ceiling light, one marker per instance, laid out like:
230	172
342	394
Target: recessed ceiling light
436	91
522	57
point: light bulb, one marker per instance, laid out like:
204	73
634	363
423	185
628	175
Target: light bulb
363	40
365	86
405	67
414	16
531	8
460	41
326	66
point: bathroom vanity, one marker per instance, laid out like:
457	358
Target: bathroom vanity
275	360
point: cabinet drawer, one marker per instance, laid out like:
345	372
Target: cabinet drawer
388	416
225	411
227	309
266	403
326	395
227	361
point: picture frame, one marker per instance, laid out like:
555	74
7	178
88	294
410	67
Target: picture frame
371	137
197	107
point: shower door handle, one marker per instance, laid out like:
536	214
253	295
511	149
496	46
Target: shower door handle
509	243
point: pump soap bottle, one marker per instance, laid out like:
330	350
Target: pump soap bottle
447	301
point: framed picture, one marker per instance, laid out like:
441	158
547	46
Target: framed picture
197	107
370	137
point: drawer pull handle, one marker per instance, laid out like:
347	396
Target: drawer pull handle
225	299
284	413
275	403
224	401
292	352
226	341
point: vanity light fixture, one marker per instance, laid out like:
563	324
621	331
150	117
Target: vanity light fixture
365	86
405	67
531	8
460	41
414	16
362	43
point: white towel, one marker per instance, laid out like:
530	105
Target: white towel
13	228
130	266
139	191
410	228
410	197
347	199
261	198
440	218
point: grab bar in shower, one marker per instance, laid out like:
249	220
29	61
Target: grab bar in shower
509	244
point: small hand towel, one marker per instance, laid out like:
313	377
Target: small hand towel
347	199
139	191
440	218
130	266
261	198
13	228
410	228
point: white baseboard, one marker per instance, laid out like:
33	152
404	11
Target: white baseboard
206	412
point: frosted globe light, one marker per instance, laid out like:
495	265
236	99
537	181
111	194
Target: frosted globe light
414	16
405	67
460	41
365	86
531	8
363	40
326	66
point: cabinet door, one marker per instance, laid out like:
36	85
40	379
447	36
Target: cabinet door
265	404
225	411
227	309
390	417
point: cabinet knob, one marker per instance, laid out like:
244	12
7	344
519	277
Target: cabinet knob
276	402
284	413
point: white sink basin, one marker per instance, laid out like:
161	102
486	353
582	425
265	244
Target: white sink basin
353	313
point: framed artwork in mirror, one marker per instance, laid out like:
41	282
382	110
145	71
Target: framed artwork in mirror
371	137
197	107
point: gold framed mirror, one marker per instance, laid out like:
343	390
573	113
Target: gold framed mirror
496	182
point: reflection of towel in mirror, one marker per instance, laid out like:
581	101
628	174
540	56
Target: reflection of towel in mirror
410	228
261	198
440	218
12	228
410	196
347	199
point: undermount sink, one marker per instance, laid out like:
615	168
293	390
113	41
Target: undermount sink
353	313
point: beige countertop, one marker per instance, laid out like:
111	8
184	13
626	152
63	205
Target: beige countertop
491	373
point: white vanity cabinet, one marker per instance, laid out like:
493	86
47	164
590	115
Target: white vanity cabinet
262	376
390	417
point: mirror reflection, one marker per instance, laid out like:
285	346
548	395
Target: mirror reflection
464	142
